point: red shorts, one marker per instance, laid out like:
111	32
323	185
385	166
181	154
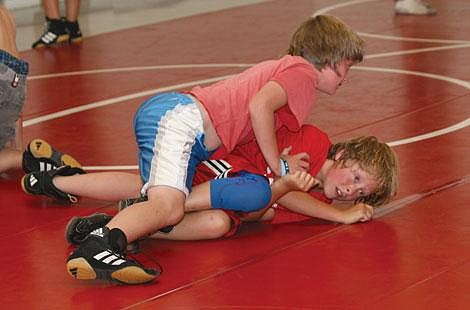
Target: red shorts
281	216
235	222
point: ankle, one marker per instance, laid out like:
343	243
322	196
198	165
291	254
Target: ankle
117	240
55	25
72	26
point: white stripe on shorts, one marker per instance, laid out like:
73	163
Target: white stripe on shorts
175	138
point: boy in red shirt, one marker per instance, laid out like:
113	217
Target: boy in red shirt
362	170
367	177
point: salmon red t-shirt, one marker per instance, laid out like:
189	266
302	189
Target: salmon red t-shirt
227	101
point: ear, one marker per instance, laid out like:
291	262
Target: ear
338	155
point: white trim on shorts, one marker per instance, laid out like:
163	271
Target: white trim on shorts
176	135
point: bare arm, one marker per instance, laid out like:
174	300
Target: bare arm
305	204
262	107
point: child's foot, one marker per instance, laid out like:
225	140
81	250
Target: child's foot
55	33
41	156
40	183
73	30
100	256
414	7
78	228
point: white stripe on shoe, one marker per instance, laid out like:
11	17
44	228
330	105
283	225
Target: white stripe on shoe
109	258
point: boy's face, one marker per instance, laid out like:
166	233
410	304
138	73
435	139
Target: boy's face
329	80
348	182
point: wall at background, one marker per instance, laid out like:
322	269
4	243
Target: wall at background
15	4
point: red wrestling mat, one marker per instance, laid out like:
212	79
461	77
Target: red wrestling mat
416	254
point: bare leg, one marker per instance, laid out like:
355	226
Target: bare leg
164	207
199	225
199	198
111	186
51	8
8	32
72	10
10	159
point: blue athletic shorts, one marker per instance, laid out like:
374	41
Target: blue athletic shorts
244	192
170	135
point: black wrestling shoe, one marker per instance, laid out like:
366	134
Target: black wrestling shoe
41	156
55	34
100	256
73	30
40	183
78	228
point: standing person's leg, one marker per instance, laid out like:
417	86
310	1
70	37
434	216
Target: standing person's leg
51	9
8	32
72	10
55	26
71	20
13	73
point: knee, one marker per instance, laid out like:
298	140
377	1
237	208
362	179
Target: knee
168	211
259	194
171	214
175	216
219	225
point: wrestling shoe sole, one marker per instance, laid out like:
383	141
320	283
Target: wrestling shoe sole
41	149
80	269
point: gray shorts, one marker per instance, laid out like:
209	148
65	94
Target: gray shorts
13	74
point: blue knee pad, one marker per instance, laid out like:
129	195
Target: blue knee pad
245	192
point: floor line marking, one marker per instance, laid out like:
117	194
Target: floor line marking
410	39
432	134
463	44
110	101
403	202
417	51
340	5
138	68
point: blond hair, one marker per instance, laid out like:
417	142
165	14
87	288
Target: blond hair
326	40
375	158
